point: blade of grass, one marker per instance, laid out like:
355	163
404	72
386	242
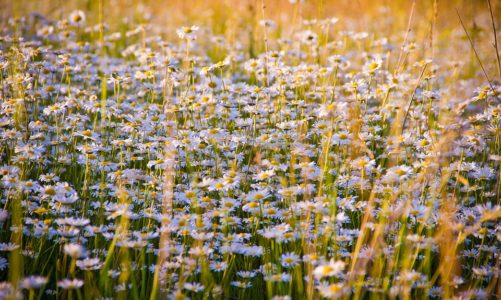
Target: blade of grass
475	51
495	36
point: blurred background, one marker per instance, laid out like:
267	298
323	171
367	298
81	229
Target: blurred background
225	14
238	21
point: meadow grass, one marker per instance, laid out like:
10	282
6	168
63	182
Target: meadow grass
250	150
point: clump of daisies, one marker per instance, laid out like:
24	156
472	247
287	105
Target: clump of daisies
198	166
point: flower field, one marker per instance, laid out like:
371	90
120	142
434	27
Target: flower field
250	150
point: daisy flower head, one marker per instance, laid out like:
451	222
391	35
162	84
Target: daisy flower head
75	250
70	284
332	268
77	18
289	260
33	282
308	37
187	32
332	290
